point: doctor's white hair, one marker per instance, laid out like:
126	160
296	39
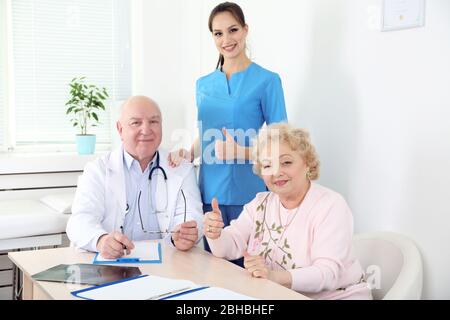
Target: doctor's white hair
134	99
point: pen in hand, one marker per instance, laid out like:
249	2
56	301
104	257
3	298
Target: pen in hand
124	246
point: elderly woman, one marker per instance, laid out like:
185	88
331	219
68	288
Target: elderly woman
299	234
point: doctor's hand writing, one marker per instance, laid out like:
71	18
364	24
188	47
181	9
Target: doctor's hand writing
185	235
213	222
112	245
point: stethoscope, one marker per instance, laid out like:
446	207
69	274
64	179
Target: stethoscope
156	167
158	210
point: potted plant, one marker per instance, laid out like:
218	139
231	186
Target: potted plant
86	100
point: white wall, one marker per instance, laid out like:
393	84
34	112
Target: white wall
167	63
377	104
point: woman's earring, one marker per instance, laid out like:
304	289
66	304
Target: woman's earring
308	175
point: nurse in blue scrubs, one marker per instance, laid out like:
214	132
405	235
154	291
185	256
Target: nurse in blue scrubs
233	103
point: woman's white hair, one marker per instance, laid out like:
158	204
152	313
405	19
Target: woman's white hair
297	139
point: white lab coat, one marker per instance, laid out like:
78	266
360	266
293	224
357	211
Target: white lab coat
100	200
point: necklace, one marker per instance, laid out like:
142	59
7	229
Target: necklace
288	222
280	246
298	208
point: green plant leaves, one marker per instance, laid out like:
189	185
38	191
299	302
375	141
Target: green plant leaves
84	99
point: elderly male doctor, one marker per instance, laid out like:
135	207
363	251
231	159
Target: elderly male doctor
117	200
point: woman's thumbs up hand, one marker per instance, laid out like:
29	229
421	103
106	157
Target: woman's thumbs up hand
213	222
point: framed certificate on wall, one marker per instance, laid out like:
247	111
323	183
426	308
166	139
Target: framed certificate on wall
402	14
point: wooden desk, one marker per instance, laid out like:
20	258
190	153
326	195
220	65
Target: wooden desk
196	265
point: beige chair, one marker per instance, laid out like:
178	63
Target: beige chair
392	263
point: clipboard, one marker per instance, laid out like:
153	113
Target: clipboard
147	287
144	252
143	287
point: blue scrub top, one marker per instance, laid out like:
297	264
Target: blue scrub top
241	105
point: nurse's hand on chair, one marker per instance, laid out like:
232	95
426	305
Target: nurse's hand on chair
185	235
213	222
174	158
114	245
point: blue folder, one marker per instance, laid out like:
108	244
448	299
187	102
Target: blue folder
130	260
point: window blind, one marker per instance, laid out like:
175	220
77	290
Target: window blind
55	41
2	75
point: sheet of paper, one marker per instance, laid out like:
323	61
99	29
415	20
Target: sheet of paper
142	288
143	250
212	293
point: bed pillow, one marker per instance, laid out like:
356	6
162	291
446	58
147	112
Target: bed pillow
60	202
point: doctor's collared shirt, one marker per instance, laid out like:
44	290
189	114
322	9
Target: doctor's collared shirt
137	182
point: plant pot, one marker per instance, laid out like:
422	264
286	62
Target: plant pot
86	143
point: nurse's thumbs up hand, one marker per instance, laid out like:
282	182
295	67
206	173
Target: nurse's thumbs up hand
226	149
213	222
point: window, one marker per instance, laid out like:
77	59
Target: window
54	41
2	75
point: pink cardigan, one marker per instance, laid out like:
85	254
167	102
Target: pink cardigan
313	242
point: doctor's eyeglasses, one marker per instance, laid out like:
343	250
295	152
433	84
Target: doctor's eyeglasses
160	206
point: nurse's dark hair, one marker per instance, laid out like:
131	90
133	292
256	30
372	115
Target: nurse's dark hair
235	10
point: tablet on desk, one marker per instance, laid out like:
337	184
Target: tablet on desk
90	274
